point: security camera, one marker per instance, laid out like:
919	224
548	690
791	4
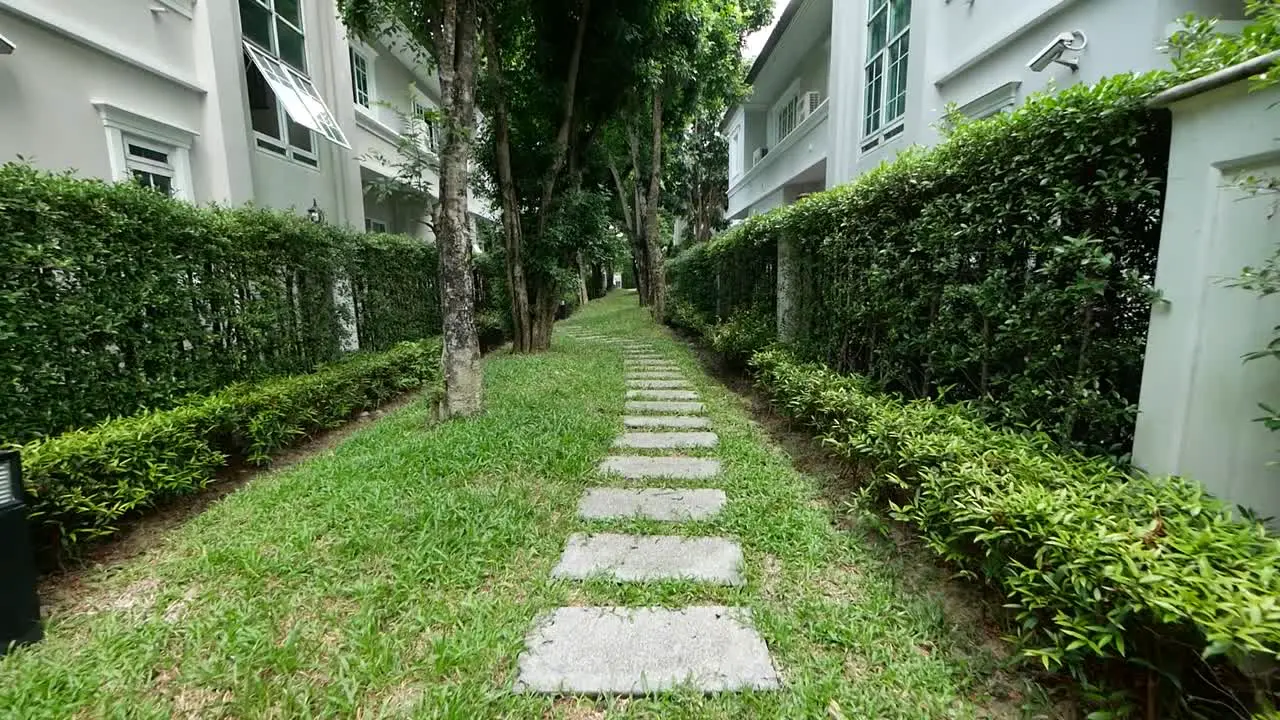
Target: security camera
1066	42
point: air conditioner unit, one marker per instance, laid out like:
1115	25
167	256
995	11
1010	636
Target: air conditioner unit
812	100
758	155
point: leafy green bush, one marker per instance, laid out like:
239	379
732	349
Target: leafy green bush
1010	265
1201	48
748	330
394	288
1098	564
116	298
81	484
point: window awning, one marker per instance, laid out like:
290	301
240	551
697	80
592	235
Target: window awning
298	95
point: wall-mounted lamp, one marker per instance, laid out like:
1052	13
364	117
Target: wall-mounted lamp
1067	42
315	214
6	47
158	9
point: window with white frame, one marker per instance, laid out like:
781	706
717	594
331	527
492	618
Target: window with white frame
284	106
993	102
787	116
362	77
148	164
884	102
423	116
735	153
374	226
147	151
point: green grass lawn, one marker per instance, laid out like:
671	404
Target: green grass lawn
397	574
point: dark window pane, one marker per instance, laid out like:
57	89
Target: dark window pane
359	79
901	16
877	34
148	153
300	136
290	10
873	98
264	114
293	49
255	21
159	183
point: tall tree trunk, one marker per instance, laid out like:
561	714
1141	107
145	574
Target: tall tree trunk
460	358
652	237
583	296
517	286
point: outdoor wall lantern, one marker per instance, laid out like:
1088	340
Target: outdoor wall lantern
6	47
19	604
315	214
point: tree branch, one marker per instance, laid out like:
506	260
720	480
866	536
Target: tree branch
566	121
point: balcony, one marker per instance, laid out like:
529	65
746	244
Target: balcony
797	163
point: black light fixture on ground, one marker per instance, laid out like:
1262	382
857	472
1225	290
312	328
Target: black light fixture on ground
19	604
314	213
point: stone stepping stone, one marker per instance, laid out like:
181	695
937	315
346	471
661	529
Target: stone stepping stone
693	422
678	505
638	467
662	395
651	367
657	384
641	651
650	558
666	440
654	375
660	406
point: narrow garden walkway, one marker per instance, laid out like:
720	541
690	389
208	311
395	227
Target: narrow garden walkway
641	650
614	524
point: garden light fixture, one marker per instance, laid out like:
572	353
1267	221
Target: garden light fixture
19	604
315	214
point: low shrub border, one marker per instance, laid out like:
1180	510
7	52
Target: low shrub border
1100	565
81	484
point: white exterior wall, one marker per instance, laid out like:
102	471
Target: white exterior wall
961	51
801	62
181	69
1198	399
64	63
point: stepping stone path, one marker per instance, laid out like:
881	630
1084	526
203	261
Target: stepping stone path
658	406
666	440
646	650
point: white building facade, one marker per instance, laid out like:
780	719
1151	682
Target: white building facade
844	85
229	101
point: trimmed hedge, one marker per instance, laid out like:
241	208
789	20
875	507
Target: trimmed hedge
115	298
81	484
1010	265
1098	564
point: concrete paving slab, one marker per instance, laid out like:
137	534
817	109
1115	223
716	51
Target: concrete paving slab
677	505
662	395
654	375
657	384
637	467
692	422
659	406
641	651
650	558
666	440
